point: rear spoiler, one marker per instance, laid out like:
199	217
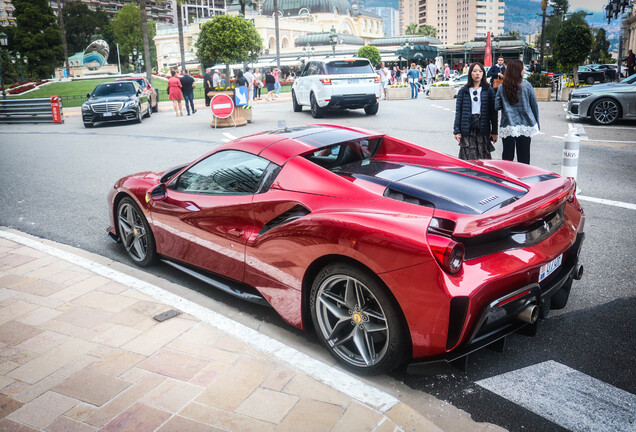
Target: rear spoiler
542	198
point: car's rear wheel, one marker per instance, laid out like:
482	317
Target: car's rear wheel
135	233
155	108
296	105
372	109
316	111
357	320
605	112
590	80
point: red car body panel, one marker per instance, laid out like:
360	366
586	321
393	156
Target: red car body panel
349	217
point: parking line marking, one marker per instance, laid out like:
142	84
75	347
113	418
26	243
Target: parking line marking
329	375
557	136
225	140
629	206
229	135
567	397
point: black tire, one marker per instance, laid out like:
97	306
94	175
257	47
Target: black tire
155	109
366	336
590	80
88	125
372	109
135	233
149	111
316	111
295	104
139	116
605	112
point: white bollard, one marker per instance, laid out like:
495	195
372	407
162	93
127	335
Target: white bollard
570	156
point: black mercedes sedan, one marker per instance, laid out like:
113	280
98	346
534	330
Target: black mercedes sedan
115	101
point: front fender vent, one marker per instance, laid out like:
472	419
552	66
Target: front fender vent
290	215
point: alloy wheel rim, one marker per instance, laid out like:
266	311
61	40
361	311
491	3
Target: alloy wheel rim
132	232
352	321
606	112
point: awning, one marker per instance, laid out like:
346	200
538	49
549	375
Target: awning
417	52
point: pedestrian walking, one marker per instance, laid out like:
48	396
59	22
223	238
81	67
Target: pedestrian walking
276	75
519	113
241	81
446	72
174	93
384	78
258	84
496	73
249	76
431	71
631	62
187	88
270	82
413	76
475	126
207	85
216	79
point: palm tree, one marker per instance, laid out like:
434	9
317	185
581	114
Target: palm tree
427	30
411	29
515	33
245	3
144	32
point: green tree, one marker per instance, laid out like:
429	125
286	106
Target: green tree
600	53
81	23
146	39
572	46
127	31
180	33
411	29
515	33
38	36
228	39
560	7
371	53
427	30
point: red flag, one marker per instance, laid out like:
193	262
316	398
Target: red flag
488	52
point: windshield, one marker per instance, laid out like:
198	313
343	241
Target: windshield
141	82
629	80
338	155
114	89
348	67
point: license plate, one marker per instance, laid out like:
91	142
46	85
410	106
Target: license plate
549	268
108	114
353	81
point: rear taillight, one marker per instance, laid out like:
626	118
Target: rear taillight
448	253
326	81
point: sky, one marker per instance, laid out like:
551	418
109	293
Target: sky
590	5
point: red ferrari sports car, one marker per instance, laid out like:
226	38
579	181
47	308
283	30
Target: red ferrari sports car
392	252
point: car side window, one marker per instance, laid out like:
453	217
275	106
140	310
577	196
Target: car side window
229	172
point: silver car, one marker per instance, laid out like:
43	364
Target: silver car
605	103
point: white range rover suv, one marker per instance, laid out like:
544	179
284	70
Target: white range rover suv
338	84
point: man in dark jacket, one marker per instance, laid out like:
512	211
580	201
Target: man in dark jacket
497	71
207	85
187	88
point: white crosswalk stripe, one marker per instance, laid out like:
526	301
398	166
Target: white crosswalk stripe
567	397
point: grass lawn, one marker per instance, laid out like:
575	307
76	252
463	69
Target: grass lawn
73	93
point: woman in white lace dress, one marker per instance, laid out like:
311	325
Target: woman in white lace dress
519	113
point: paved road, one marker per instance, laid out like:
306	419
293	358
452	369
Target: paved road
55	179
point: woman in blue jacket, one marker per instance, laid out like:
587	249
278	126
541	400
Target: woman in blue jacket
519	113
475	127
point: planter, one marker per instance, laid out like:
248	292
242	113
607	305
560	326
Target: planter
445	92
565	92
543	94
398	93
236	119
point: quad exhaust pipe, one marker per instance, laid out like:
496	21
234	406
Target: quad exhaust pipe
578	273
529	314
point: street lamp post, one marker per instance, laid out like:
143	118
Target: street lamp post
333	40
19	61
307	50
136	60
4	40
544	6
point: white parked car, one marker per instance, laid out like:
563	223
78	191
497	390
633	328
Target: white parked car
342	84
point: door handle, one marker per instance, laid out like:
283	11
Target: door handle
235	232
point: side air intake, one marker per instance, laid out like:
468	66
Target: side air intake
290	215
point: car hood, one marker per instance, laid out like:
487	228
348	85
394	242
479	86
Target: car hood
460	190
600	88
110	99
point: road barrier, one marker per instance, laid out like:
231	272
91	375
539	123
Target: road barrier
570	164
37	110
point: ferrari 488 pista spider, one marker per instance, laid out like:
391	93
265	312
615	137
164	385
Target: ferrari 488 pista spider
392	252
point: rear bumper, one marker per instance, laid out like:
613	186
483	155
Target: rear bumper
500	317
352	101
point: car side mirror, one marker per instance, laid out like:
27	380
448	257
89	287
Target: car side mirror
158	193
88	95
138	92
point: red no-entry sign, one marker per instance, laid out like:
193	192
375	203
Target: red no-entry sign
222	106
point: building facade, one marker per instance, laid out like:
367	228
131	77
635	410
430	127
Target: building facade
6	13
390	20
408	14
462	20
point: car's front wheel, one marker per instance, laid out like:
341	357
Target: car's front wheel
357	320
372	109
139	115
605	112
316	111
135	233
296	105
590	80
88	125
